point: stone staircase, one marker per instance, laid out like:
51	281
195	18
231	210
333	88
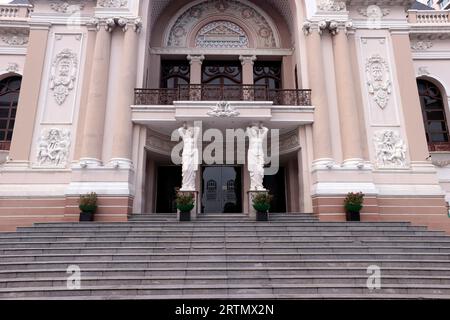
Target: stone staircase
224	256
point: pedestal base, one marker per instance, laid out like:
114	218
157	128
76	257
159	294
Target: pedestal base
251	196
194	211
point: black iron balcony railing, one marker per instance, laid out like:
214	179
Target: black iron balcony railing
211	92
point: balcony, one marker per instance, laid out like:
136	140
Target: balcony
15	12
428	17
209	92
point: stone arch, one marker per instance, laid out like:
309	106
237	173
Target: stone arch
260	26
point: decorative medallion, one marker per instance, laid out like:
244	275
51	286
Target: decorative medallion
63	75
54	147
221	34
12	67
223	109
390	149
378	80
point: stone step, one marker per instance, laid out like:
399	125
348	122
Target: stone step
265	280
225	271
200	225
223	290
211	249
226	233
247	263
224	256
318	228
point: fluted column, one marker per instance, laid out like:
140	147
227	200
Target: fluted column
348	112
121	150
321	127
91	150
247	69
196	61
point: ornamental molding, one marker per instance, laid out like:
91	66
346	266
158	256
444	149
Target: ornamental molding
15	37
378	80
289	142
421	45
390	149
331	5
112	3
223	109
263	32
63	75
53	148
70	7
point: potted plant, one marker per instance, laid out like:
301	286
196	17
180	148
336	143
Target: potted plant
185	203
261	203
88	206
353	204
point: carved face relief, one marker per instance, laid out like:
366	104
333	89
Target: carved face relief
63	75
378	80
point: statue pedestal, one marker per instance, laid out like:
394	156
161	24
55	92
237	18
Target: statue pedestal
251	196
194	212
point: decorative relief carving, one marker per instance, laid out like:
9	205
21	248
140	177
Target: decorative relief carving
12	67
423	71
67	6
188	20
331	5
63	75
441	163
390	149
221	34
378	80
54	147
112	3
223	110
421	45
15	37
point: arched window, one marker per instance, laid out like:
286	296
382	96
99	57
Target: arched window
267	74
435	120
175	73
9	97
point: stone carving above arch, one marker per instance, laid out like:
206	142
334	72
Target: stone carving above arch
262	30
221	34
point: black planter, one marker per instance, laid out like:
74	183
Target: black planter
86	216
353	216
185	216
262	216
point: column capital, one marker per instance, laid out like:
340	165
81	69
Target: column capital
250	59
333	26
196	58
112	22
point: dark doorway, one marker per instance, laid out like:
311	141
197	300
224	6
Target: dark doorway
168	179
276	185
221	190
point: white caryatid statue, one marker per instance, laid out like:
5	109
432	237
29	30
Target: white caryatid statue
255	159
190	157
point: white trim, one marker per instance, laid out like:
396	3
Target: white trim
235	52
